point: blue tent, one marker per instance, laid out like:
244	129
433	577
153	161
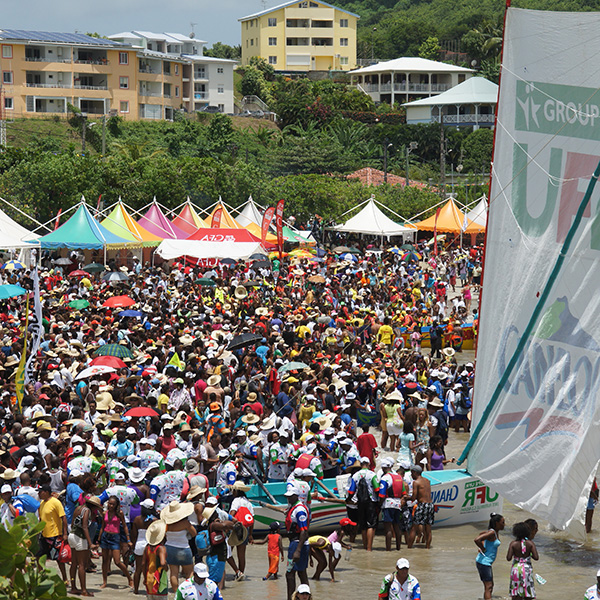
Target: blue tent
82	231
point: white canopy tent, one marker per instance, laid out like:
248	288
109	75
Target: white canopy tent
250	213
13	235
170	249
371	220
478	214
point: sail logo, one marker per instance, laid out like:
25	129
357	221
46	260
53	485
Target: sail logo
554	109
556	373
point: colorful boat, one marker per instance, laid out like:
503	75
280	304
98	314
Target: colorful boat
458	496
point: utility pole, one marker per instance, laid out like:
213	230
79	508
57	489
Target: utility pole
2	122
385	159
103	135
83	128
442	158
408	149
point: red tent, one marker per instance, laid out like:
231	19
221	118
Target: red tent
226	235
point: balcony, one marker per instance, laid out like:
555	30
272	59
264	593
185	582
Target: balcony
48	85
92	61
464	119
149	70
150	94
80	86
200	95
42	59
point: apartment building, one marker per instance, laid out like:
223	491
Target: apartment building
206	81
300	36
135	77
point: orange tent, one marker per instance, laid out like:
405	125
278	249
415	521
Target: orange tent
450	219
189	220
228	222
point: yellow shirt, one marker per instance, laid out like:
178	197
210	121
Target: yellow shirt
52	512
385	334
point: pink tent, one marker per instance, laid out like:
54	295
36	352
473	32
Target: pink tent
157	223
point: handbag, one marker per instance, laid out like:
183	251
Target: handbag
64	553
217	538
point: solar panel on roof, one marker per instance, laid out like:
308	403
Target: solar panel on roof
52	36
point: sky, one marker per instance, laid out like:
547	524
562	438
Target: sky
216	21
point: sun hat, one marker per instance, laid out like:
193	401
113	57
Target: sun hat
192	466
176	511
238	536
195	491
436	403
402	564
156	532
213	380
241	486
136	475
250	418
94	501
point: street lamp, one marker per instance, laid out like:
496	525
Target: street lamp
412	146
386	146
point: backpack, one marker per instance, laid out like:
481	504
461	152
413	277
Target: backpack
29	503
462	401
202	543
362	491
244	516
442	425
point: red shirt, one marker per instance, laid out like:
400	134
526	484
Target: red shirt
366	444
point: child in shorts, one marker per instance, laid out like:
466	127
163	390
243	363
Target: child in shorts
274	549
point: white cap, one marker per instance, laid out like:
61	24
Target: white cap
308	473
151	441
131	430
241	433
365	459
223	453
303	588
100	446
153	465
292	491
5	489
75	473
201	570
132	458
212	501
144	440
402	564
120	476
147	503
77	450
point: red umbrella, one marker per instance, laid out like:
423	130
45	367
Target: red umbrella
79	273
108	361
141	411
118	302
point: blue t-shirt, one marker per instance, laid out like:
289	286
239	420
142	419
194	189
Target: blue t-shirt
72	495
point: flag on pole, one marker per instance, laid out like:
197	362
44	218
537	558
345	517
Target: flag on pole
36	328
216	218
57	219
176	362
437	214
20	376
279	223
266	222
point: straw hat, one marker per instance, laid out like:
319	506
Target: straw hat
94	501
176	511
448	352
156	532
207	513
238	536
324	421
395	395
9	474
436	403
262	311
240	292
186	339
250	418
104	401
270	422
240	486
214	380
195	491
11	362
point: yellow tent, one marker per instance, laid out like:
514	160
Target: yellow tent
450	219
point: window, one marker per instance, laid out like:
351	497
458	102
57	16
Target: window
343	41
220	89
251	23
272	60
124	83
123	58
124	106
272	41
176	69
7	77
272	21
220	70
176	91
343	22
221	107
252	42
343	60
8	103
6	51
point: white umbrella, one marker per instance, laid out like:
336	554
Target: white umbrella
94	371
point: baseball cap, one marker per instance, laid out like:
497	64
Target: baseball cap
120	476
147	503
201	570
402	564
365	459
153	465
404	464
131	431
346	521
303	588
292	491
5	489
308	473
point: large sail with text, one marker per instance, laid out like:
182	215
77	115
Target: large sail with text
537	390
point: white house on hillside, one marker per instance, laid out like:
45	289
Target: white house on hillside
469	104
206	81
407	78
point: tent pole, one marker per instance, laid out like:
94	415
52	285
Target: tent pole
24	214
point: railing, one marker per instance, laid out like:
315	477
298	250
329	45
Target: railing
200	75
78	86
149	70
40	59
165	95
254	100
200	95
440	87
92	61
148	93
48	85
457	119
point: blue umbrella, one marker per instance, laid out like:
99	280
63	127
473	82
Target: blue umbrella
130	313
13	264
10	291
349	257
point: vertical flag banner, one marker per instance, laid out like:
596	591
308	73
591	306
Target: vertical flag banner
437	214
266	222
20	376
279	223
216	218
56	223
36	328
536	404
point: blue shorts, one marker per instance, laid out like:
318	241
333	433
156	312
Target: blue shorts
302	563
180	557
391	515
216	568
485	572
110	541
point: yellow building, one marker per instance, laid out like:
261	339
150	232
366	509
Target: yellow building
303	35
43	72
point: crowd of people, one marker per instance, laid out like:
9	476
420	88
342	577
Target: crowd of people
144	429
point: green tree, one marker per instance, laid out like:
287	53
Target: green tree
264	67
254	84
220	50
220	132
477	150
430	49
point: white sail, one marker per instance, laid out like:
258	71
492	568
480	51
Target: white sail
536	440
